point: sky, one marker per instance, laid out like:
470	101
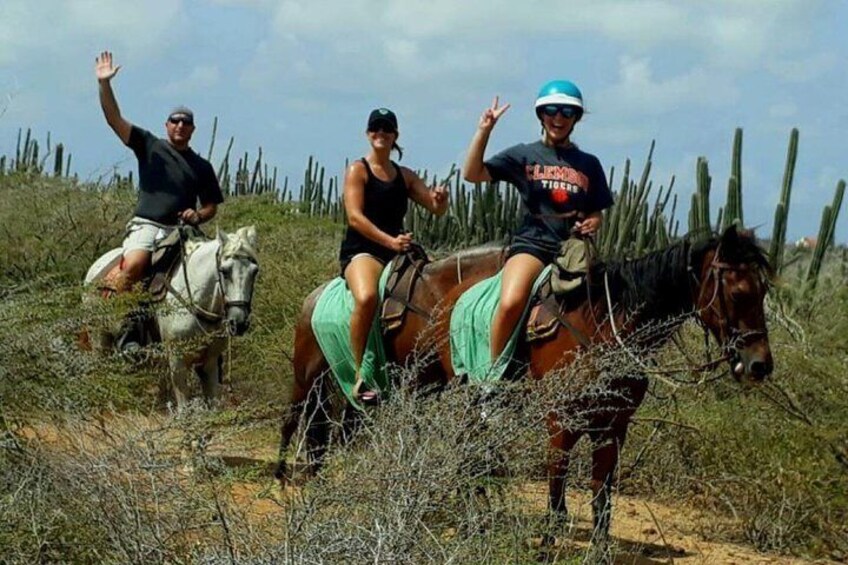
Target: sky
299	77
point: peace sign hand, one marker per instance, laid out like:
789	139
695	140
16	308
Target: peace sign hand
103	68
490	115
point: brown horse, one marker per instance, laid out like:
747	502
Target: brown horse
416	341
722	282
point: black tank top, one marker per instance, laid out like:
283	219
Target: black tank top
385	205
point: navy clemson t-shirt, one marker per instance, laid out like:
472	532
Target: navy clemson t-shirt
558	186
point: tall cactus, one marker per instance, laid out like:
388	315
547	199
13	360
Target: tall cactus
826	233
778	237
699	213
736	172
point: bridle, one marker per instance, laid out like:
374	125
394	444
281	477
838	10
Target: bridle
246	304
190	304
730	339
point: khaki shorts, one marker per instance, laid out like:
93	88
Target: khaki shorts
143	234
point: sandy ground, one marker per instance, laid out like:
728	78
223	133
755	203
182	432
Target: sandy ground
643	531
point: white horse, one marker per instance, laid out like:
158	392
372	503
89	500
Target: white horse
209	300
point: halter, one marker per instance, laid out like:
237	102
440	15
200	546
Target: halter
198	311
730	343
732	338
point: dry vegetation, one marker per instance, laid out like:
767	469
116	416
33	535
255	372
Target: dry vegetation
95	468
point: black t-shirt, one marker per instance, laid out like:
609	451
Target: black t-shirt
385	205
170	181
558	186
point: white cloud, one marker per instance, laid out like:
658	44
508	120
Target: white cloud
638	88
33	29
200	78
803	69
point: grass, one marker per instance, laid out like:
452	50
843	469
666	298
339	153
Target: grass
771	461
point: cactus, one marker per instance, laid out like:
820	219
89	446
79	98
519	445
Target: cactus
778	238
59	160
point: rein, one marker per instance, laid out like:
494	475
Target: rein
190	304
716	303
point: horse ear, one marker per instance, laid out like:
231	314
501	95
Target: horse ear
248	234
730	236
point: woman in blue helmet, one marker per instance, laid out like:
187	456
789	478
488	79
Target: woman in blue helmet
563	188
376	194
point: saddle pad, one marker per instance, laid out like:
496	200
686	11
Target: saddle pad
470	330
331	326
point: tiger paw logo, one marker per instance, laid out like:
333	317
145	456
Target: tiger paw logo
559	196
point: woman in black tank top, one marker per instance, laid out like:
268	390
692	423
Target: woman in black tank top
375	197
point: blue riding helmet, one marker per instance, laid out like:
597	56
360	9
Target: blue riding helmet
559	92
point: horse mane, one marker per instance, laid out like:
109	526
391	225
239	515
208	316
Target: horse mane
235	244
238	244
659	282
654	283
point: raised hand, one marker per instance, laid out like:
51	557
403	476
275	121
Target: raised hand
103	68
440	194
491	115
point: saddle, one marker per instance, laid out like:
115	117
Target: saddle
406	270
165	259
558	294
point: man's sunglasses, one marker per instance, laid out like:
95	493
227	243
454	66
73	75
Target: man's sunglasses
184	121
565	111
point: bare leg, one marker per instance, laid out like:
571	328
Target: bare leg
519	274
135	265
362	276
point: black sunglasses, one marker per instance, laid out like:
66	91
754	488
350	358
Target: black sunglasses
565	111
185	121
385	128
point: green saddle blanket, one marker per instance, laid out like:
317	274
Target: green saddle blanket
331	326
470	330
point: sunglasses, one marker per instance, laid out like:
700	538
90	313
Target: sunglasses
384	128
565	111
184	121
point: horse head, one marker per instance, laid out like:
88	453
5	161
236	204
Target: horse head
238	265
732	277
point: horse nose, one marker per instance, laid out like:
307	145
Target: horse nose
761	368
237	327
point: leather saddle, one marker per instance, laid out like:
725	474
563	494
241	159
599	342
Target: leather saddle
165	258
406	270
549	310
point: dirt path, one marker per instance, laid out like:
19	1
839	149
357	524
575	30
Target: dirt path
643	531
648	532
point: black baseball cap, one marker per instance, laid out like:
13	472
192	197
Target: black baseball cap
382	116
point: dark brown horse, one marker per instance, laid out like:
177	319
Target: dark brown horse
722	282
